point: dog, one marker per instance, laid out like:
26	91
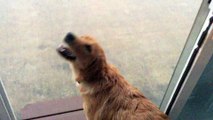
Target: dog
105	92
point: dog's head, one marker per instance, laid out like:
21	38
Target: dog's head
84	53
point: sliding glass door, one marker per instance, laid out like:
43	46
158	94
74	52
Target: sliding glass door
144	39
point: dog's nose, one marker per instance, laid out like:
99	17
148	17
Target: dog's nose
70	37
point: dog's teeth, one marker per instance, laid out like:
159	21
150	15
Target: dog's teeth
62	49
61	45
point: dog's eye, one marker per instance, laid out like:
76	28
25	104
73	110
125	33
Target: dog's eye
88	48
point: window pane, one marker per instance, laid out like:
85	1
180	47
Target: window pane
199	105
143	39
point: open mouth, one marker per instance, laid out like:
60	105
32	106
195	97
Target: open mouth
66	52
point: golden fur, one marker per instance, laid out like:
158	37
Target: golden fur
106	93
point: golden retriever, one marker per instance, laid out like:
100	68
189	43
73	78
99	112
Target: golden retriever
106	93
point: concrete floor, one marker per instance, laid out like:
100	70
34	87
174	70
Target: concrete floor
143	39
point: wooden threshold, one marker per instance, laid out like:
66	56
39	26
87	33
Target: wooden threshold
61	109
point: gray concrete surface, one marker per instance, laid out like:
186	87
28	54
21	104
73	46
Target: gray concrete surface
142	38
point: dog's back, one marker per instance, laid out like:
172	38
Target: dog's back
115	99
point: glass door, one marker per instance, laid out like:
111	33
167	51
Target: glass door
144	39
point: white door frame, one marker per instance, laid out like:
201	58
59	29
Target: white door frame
187	75
200	63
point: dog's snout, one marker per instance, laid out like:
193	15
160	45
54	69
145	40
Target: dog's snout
70	37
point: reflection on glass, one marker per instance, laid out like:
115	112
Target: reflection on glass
199	105
143	39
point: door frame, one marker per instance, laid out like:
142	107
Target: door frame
191	64
6	111
199	65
